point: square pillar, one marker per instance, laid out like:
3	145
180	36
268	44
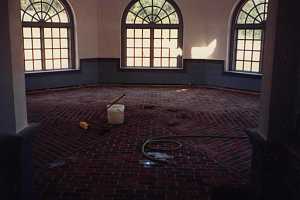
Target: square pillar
13	116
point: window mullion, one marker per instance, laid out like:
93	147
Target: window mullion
151	48
43	48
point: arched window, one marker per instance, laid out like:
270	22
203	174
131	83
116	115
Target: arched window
48	34
152	35
247	40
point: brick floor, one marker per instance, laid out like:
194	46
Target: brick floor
105	162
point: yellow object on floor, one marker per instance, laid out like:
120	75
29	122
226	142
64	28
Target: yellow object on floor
84	125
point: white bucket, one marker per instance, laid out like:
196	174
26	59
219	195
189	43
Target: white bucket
115	114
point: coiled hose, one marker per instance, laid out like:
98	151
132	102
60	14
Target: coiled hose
146	147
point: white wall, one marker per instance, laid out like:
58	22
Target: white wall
99	26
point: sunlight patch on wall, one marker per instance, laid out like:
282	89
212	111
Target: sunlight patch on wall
204	52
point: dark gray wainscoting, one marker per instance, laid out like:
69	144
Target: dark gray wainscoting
107	71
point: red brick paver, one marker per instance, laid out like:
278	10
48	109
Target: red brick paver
106	161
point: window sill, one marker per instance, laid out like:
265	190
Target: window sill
244	74
53	71
133	69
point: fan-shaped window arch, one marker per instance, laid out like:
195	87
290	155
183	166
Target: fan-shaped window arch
48	35
152	35
247	37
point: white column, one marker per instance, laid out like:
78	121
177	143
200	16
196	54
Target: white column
13	116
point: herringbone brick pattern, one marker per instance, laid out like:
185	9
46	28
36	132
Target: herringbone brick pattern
105	162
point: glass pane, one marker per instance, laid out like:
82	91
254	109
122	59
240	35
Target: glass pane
248	6
165	62
168	8
56	53
63	17
36	44
250	20
173	43
139	21
165	43
65	63
64	32
166	20
24	4
138	62
173	62
138	33
146	62
56	43
36	32
157	33
49	64
52	12
146	42
27	32
165	53
257	45
146	52
166	33
130	52
27	18
157	62
249	45
130	33
64	43
37	65
241	34
255	67
257	34
240	55
130	62
56	64
256	56
138	52
138	43
27	44
174	18
48	43
130	42
158	3
239	66
249	34
47	33
64	53
157	53
55	32
248	55
242	18
241	44
146	33
57	5
37	54
136	8
174	33
130	18
29	65
28	54
55	19
48	54
247	66
174	52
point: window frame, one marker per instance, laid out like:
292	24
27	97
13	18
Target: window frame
234	39
42	25
152	27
